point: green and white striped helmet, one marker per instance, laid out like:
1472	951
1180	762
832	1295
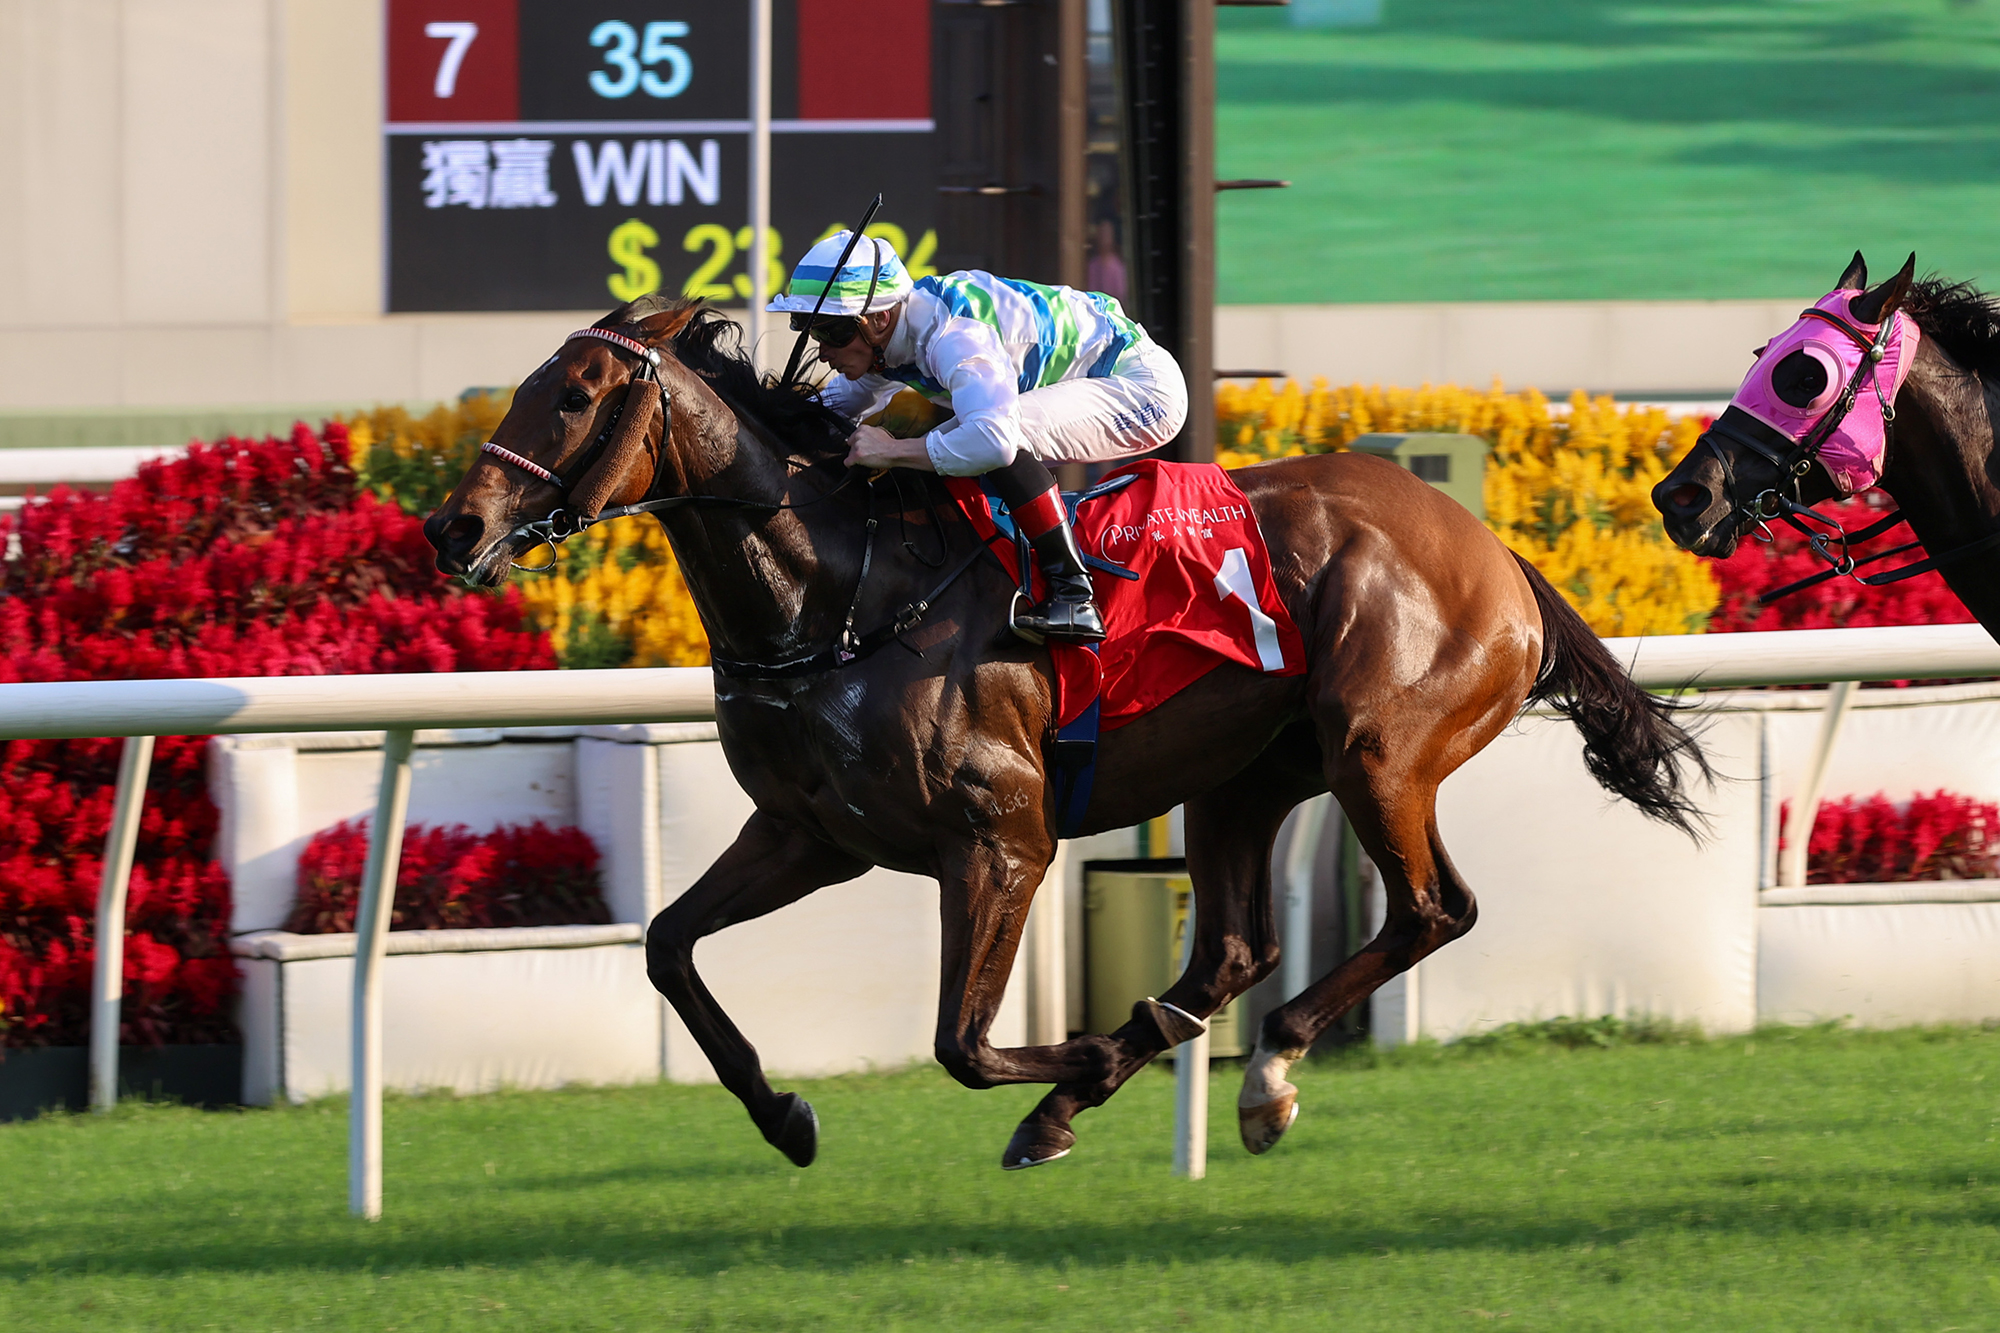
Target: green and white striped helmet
848	292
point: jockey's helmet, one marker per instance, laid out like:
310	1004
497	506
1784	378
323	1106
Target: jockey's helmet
872	279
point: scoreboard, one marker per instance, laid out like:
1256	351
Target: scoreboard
574	154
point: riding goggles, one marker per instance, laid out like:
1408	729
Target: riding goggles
828	330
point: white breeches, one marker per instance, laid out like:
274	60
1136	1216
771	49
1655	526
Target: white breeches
1135	410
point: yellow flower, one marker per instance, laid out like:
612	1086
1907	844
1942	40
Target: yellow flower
615	599
1569	490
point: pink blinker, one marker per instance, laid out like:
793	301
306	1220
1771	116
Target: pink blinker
1853	454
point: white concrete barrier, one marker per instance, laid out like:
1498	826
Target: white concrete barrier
1587	908
808	985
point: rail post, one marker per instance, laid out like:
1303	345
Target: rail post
371	940
1805	807
107	982
1191	1082
1296	943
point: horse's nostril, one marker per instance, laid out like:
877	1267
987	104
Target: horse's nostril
460	533
1689	496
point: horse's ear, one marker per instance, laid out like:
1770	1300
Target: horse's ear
1856	276
1878	303
664	326
662	316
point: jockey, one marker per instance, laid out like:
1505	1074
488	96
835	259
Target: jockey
1034	375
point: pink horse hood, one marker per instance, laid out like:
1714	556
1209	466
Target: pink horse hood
1853	454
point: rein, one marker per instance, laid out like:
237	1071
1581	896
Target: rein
561	524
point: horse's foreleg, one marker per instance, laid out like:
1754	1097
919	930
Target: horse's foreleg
984	899
1229	836
769	865
1427	906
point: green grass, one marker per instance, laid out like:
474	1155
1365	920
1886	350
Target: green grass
1584	149
1811	1180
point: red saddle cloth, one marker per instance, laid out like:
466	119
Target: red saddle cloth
1204	595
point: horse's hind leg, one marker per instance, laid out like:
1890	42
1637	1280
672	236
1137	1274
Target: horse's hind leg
1229	836
769	865
1427	906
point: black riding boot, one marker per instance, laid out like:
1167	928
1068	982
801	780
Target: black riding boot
1033	499
1070	614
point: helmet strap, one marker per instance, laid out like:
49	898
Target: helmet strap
878	365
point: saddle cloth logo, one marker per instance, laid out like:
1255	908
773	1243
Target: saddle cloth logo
1204	595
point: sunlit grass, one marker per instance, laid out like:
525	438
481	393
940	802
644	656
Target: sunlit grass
1471	150
1587	1176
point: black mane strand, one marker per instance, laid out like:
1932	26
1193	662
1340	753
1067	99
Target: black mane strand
1964	320
711	345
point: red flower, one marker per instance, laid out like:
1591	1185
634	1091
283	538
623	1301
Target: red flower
517	875
1871	841
240	558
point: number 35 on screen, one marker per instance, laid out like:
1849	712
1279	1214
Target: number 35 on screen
631	59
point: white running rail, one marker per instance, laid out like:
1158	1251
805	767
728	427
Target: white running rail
399	704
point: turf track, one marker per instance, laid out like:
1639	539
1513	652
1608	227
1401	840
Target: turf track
1800	1180
1472	150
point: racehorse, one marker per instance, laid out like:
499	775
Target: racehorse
921	744
1935	444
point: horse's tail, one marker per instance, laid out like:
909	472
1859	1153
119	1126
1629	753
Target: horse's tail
1632	743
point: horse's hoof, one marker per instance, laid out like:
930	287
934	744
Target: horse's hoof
1176	1025
796	1131
1036	1145
1263	1125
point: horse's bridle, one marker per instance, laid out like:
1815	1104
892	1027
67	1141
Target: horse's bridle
567	520
561	524
1797	464
1794	466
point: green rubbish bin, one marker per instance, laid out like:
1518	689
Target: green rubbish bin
1455	464
1134	914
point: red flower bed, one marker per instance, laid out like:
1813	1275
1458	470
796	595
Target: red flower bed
1837	603
235	559
1872	841
451	878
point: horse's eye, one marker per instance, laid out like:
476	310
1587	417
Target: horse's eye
1799	379
575	401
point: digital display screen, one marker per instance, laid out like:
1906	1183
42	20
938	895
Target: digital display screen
571	154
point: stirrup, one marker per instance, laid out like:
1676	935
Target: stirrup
1021	631
1088	633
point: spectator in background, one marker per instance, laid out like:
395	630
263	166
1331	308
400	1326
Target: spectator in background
1105	271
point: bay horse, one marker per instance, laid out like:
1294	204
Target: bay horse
1937	456
1426	637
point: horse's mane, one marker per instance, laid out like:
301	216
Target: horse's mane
710	344
1964	320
